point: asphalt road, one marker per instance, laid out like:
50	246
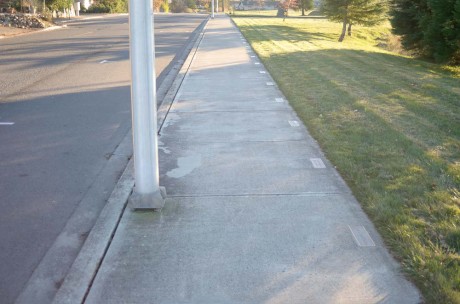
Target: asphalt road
64	110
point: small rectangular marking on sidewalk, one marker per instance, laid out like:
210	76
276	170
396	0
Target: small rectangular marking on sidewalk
256	62
6	123
279	100
262	72
317	163
294	123
361	236
270	83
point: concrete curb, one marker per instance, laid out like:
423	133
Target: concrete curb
79	279
55	264
47	29
85	266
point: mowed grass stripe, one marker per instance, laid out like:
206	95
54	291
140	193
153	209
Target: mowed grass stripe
391	125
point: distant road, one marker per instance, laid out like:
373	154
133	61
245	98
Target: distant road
64	109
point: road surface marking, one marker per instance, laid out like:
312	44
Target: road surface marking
256	62
104	61
6	123
361	236
270	84
262	72
294	123
279	100
317	163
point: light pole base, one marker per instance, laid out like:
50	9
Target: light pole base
151	201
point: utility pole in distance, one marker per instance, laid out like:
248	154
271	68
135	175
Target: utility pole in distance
147	194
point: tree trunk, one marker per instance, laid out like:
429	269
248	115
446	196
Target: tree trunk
302	4
349	29
280	12
344	29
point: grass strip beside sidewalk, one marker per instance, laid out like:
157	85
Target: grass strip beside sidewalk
391	126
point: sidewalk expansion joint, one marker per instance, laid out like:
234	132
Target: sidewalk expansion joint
230	111
305	194
246	141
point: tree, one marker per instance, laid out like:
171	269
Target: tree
284	6
191	4
59	5
431	28
157	4
260	4
306	5
349	12
178	6
32	4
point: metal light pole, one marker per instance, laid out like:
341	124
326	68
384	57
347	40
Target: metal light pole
212	9
147	193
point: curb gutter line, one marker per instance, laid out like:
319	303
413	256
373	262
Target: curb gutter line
83	272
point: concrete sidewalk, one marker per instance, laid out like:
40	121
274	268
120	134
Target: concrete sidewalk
255	213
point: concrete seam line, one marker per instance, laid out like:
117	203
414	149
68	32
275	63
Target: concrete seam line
250	194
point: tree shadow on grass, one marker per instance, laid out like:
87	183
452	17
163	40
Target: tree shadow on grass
284	32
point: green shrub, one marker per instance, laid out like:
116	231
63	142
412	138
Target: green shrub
191	4
109	6
47	15
178	6
98	8
429	27
164	7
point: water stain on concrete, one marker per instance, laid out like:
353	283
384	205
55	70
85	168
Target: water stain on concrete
185	165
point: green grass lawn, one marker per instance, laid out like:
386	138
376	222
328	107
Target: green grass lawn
391	125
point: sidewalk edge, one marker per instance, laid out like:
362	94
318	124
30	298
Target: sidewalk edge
83	271
173	92
85	266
